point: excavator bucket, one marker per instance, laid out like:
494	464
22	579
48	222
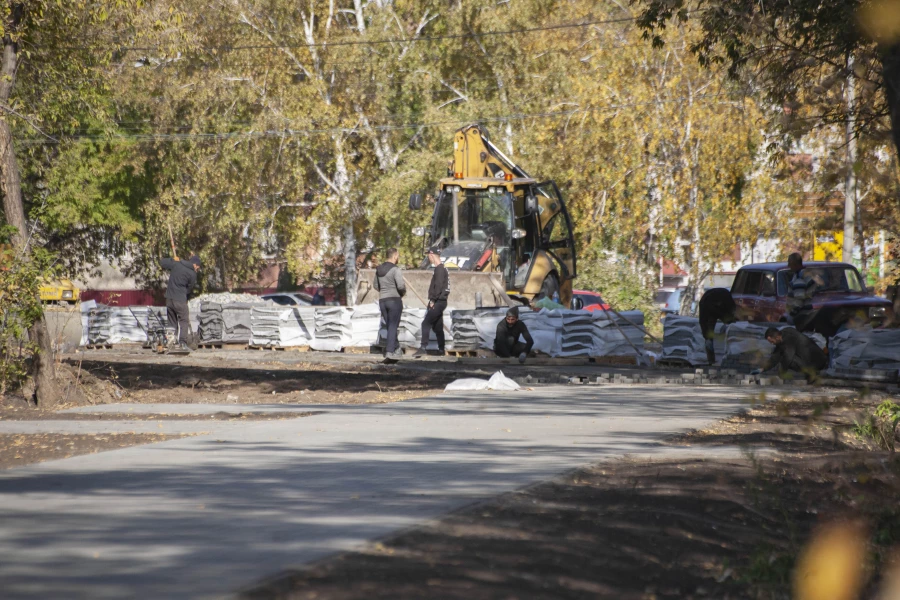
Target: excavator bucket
465	287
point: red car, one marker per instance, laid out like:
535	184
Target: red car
761	292
584	300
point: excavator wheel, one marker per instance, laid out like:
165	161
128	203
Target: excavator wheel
550	286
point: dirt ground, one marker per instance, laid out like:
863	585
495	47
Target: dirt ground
105	377
22	449
648	529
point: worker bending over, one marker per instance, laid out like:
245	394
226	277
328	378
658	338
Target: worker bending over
715	305
506	342
182	279
795	352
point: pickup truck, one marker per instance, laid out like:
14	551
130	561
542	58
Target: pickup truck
761	290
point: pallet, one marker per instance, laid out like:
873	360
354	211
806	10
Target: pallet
544	361
99	346
615	360
361	350
463	353
222	346
677	363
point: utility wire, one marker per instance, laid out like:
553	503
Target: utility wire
381	128
432	38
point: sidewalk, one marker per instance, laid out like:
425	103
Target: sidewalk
205	516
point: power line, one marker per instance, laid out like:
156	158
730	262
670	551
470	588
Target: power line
450	36
382	128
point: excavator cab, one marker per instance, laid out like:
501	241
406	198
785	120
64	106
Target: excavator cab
504	237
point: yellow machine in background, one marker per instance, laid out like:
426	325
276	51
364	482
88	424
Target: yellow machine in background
62	291
828	246
504	236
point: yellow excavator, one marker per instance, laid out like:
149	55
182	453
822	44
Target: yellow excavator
59	291
504	236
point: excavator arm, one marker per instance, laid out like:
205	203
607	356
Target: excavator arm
475	156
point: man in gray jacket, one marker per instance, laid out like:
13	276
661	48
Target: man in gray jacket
391	288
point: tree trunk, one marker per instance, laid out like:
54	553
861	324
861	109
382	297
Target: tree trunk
350	277
46	390
850	182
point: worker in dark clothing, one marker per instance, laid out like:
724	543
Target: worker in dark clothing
795	352
506	342
391	288
801	288
715	305
438	292
182	279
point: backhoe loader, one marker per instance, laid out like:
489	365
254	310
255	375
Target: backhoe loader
504	236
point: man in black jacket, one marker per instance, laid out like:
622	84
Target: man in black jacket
438	292
795	352
715	305
506	342
182	279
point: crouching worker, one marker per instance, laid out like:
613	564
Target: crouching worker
506	342
794	352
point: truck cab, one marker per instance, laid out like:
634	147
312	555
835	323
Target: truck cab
761	291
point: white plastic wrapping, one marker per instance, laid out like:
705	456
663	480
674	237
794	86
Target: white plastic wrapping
497	382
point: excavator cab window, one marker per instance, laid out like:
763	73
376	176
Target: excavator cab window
485	226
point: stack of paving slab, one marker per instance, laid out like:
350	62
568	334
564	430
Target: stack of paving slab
365	323
577	335
746	345
113	324
866	352
465	334
211	326
237	327
556	333
618	333
297	326
333	329
683	340
265	324
410	332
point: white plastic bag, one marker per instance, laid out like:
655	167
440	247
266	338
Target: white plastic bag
498	382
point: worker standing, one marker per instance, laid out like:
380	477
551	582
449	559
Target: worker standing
716	305
801	289
506	342
795	352
391	289
438	292
182	279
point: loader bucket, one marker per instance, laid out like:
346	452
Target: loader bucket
463	287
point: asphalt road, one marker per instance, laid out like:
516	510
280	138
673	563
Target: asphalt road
207	516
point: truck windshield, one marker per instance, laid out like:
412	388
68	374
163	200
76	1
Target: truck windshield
835	279
828	279
484	216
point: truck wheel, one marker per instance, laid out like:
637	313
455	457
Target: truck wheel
550	286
